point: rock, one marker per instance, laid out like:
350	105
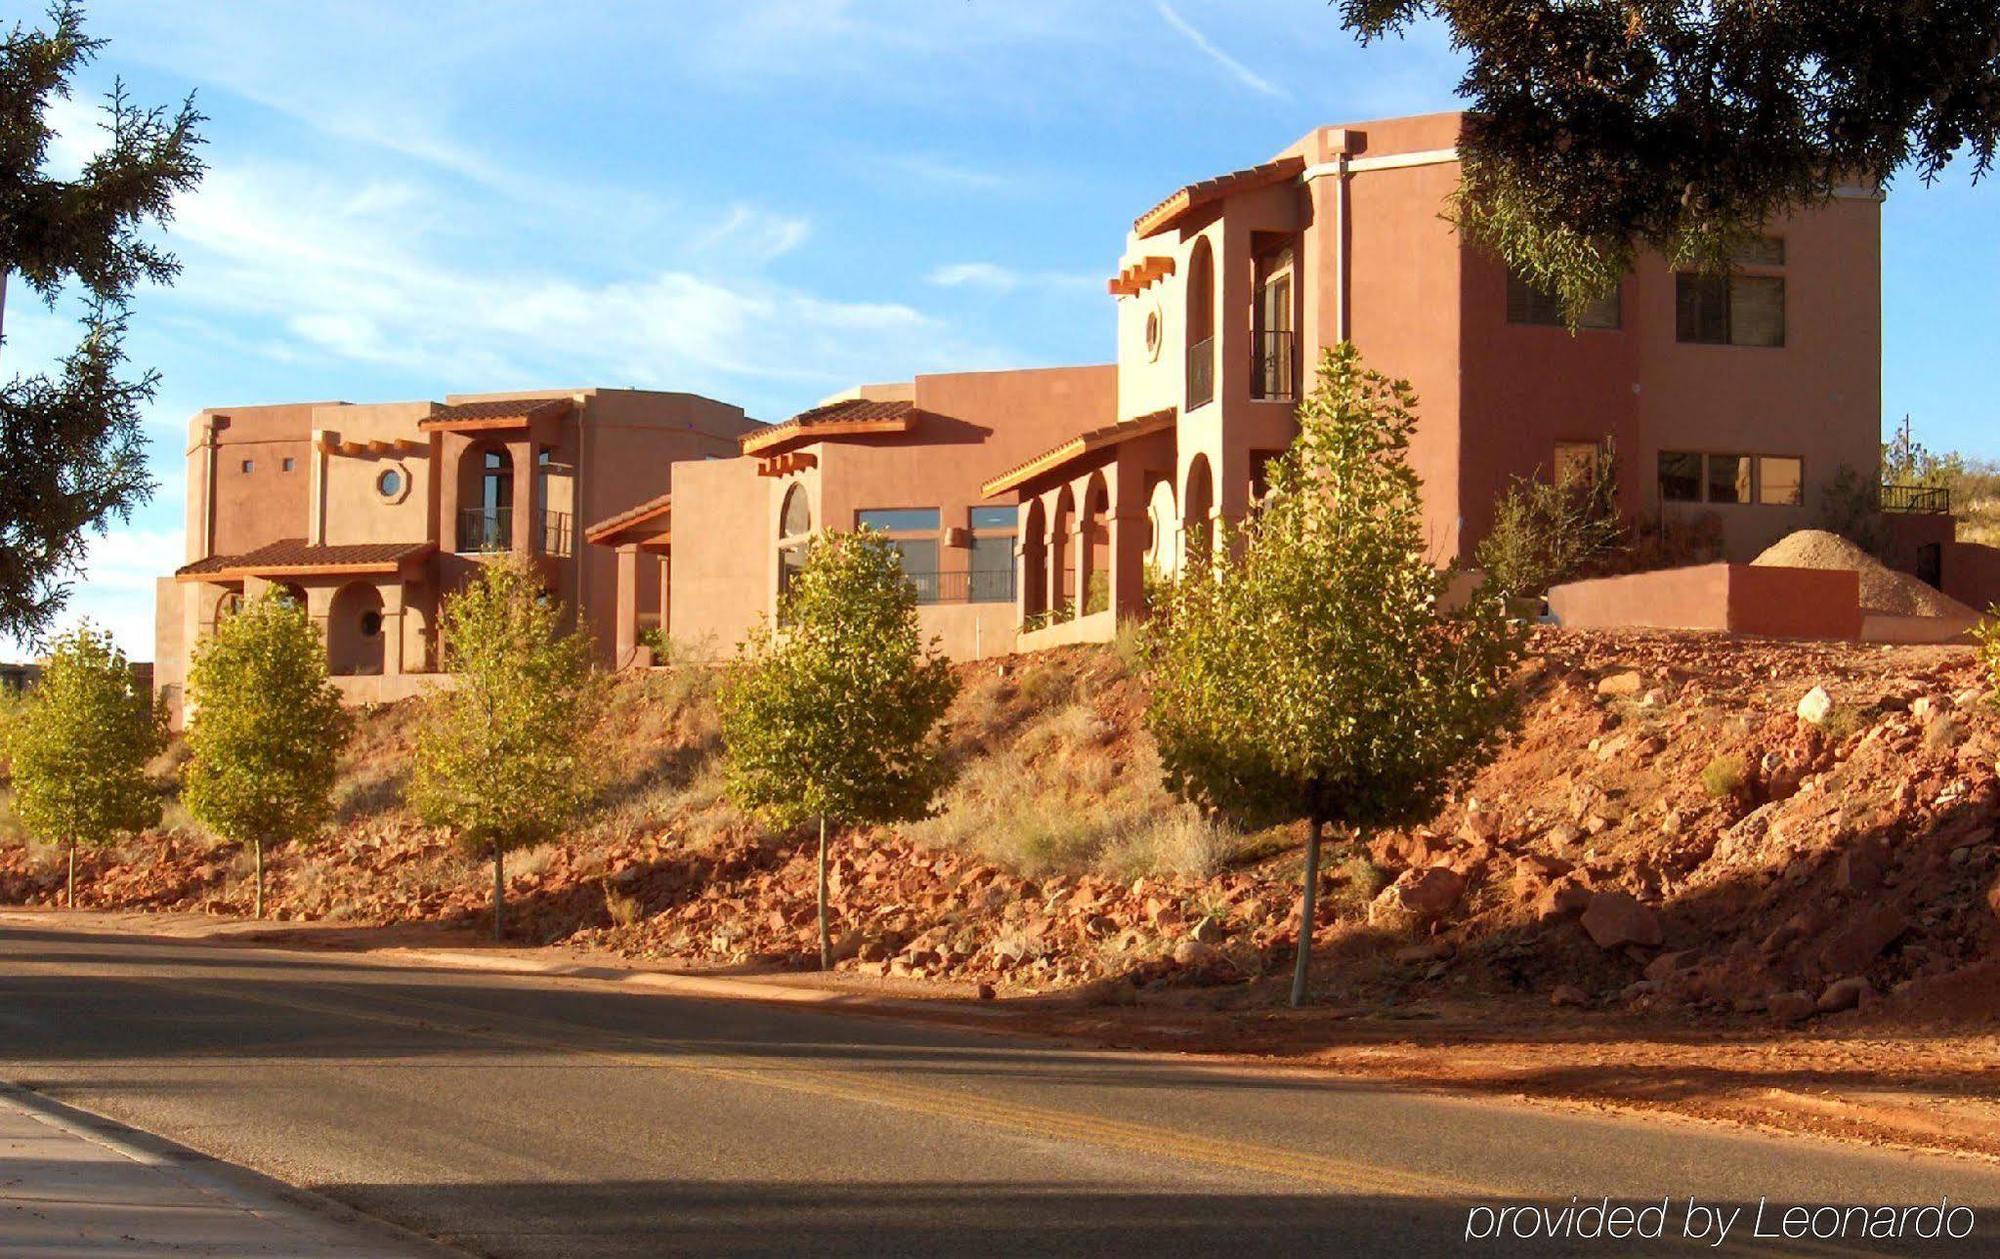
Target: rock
1621	685
1193	953
1568	994
1842	994
1667	965
986	992
1789	1007
1614	919
1815	706
1110	990
1418	954
1208	931
1851	950
1561	899
1926	708
1863	865
1418	896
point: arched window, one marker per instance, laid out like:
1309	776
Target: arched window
1200	326
794	527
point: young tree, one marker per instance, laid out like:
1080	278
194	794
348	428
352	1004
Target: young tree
1598	126
79	746
266	732
74	443
507	756
1310	671
832	717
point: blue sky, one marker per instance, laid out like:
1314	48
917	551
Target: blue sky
761	200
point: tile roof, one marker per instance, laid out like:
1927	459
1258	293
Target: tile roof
1169	212
295	555
504	414
630	516
853	415
1082	444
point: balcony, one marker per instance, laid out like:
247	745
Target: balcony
1917	499
1273	366
995	586
1201	373
483	530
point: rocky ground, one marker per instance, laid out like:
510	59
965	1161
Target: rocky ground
1744	842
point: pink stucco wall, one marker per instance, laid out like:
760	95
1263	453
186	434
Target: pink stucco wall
1738	598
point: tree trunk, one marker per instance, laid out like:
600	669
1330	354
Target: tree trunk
1308	896
258	846
825	935
69	893
499	887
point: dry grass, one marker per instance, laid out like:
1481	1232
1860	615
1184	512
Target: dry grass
1724	776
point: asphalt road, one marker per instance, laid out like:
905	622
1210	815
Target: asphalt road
524	1116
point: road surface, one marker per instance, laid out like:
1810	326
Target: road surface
512	1115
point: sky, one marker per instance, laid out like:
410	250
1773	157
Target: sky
764	201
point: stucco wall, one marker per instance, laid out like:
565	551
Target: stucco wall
721	565
354	509
266	503
1771	602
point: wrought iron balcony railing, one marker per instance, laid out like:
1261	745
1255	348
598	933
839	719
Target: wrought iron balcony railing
1928	499
485	529
1201	373
1273	369
993	586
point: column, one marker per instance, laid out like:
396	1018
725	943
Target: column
666	597
626	617
392	627
527	491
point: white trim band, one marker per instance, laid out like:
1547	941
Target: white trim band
1388	161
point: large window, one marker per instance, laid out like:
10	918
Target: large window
1530	304
1745	307
1688	476
990	559
794	527
913	531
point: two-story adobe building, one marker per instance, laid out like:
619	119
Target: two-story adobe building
908	459
1738	396
368	514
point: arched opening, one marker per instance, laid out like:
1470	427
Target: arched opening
1062	563
1201	326
794	528
293	594
1034	561
355	631
1197	510
1163	556
485	498
1096	595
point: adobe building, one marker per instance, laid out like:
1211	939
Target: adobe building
908	459
1739	396
368	514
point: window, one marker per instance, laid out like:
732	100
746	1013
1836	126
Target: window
285	465
390	483
371	623
1728	478
1680	476
1735	309
1780	480
1007	518
249	464
1695	477
794	524
990	558
900	519
1575	463
1530	304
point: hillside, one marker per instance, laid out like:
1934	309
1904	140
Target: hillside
1664	833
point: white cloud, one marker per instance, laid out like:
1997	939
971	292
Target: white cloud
994	278
1241	73
117	594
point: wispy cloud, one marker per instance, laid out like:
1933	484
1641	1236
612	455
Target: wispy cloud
1241	73
994	278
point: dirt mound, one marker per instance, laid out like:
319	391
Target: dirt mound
1883	589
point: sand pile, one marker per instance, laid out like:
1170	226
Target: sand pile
1883	589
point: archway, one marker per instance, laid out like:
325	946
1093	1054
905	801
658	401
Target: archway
794	527
1062	563
1096	552
356	631
1163	556
1197	510
1034	560
1200	325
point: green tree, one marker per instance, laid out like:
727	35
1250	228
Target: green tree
265	731
79	744
833	717
1309	671
74	443
1545	531
508	755
1600	126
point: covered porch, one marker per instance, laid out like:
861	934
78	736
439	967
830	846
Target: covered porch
1097	512
642	538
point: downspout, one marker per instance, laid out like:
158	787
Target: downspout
209	438
578	558
1343	175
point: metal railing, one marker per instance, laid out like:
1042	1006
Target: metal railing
485	529
1201	373
1273	369
555	533
1917	499
994	586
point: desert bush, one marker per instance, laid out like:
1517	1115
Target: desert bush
1724	776
1548	531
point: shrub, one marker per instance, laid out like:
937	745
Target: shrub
1546	532
1724	777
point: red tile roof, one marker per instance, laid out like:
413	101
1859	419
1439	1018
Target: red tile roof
1169	212
835	419
1082	444
507	414
295	555
630	516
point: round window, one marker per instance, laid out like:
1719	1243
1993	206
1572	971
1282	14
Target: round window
1154	333
390	483
371	624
